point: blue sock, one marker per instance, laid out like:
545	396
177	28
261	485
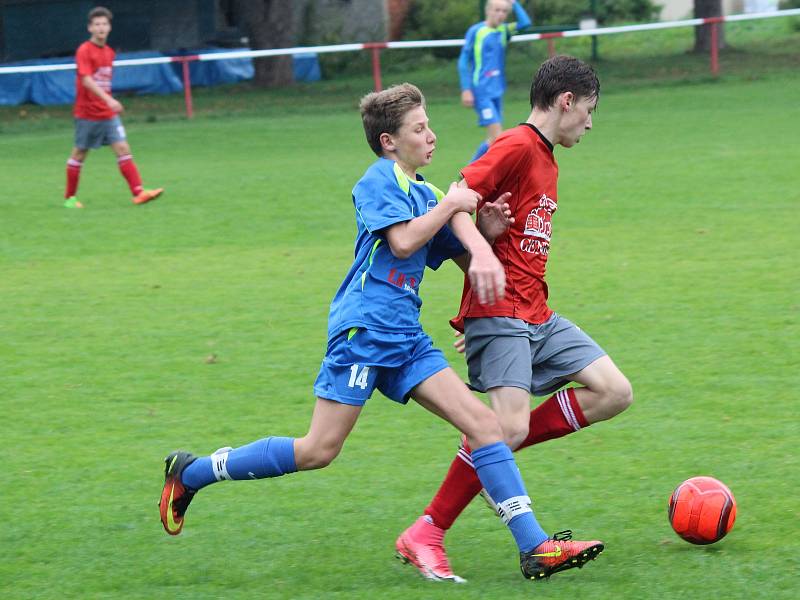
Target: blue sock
479	152
270	457
500	476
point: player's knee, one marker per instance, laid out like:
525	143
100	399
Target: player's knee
515	432
321	458
317	456
485	428
619	395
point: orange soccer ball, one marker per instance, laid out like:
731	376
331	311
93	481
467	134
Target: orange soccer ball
702	510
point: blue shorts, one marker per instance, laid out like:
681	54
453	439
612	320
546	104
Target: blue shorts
360	360
93	134
490	110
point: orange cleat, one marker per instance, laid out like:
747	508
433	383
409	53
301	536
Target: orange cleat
175	497
147	195
559	553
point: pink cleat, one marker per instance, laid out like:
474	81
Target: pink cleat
422	545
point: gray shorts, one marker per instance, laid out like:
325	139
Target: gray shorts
93	134
506	352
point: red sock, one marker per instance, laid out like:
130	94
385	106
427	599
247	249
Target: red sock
131	174
73	175
557	416
460	486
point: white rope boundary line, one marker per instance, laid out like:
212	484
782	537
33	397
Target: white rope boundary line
158	60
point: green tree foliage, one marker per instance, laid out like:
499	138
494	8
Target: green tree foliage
449	19
786	5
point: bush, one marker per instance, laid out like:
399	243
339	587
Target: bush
449	19
570	12
441	20
786	5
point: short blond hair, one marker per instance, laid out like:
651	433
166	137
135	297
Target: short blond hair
383	112
508	3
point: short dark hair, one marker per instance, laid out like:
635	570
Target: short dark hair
383	112
100	11
561	74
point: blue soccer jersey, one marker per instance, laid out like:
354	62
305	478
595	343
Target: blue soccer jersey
381	291
481	66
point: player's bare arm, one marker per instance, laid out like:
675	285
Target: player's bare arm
486	274
92	86
467	99
406	238
494	219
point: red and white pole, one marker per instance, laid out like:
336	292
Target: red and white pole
376	48
551	44
714	23
187	81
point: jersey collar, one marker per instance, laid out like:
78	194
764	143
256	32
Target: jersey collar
540	134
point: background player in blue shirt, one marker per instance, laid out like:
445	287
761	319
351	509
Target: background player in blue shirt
375	339
481	66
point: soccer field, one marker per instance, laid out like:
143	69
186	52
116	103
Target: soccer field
199	320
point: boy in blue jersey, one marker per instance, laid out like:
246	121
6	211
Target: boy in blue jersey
374	336
482	63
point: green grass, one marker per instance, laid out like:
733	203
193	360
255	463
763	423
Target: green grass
675	247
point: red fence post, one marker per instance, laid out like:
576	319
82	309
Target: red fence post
551	44
376	62
187	90
376	69
714	50
187	81
713	23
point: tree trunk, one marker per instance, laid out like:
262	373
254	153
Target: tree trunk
269	24
702	34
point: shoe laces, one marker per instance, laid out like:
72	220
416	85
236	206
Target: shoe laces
562	536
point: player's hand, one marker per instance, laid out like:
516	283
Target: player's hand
461	343
494	218
467	99
487	276
462	199
115	105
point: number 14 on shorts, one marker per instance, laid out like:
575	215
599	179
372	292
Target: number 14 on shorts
358	378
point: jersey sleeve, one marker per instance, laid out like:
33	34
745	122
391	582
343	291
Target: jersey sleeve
523	20
490	170
445	246
84	62
466	60
380	203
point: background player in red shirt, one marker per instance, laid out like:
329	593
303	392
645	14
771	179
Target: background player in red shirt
96	112
518	347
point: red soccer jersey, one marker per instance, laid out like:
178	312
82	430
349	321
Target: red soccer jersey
94	61
520	161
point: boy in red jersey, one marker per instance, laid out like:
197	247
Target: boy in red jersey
518	347
96	112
